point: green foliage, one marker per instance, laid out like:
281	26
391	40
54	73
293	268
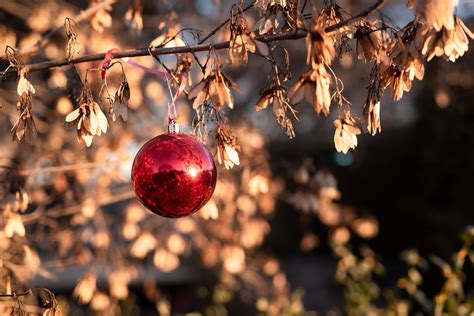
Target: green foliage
363	296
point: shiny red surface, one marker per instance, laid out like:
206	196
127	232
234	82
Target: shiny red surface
174	175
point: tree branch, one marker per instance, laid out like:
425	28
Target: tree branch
16	294
195	48
356	18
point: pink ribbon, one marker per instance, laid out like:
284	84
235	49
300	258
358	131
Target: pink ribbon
158	73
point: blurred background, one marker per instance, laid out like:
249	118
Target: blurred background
286	232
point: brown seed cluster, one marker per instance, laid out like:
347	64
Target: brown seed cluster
119	107
226	147
242	41
88	118
24	126
214	87
274	95
314	85
345	137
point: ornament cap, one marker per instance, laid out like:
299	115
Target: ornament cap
173	127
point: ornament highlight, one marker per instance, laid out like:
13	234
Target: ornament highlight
173	174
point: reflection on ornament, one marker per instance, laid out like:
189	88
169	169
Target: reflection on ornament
174	175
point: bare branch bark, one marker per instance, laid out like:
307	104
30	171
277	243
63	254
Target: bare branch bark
16	294
196	48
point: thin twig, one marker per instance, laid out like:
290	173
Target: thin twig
196	48
358	17
15	294
214	31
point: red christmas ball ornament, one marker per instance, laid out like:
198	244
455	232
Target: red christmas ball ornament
173	174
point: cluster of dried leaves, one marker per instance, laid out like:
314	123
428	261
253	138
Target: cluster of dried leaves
276	97
24	127
277	16
242	39
226	147
214	88
88	119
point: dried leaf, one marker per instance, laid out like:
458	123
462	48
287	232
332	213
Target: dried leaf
226	147
73	115
345	136
24	86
